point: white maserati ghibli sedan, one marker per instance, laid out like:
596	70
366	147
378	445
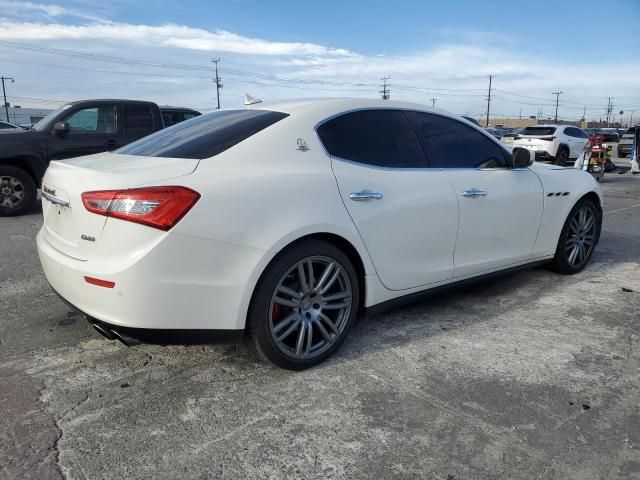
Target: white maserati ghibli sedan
285	221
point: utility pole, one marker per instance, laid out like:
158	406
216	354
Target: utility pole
386	94
4	94
609	110
489	99
557	94
433	102
584	114
631	121
218	82
520	114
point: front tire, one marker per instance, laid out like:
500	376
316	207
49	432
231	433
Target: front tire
17	190
304	305
578	238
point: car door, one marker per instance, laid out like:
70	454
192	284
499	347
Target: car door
92	129
405	212
500	207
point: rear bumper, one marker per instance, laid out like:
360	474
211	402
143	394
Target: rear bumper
183	283
128	335
540	151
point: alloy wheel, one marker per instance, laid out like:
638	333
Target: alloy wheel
12	192
581	236
310	307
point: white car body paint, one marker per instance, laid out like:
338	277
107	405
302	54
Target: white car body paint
263	194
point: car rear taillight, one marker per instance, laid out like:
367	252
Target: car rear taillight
548	139
517	137
157	207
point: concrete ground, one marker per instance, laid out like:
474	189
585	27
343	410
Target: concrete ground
535	375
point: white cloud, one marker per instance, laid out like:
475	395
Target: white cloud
48	11
164	35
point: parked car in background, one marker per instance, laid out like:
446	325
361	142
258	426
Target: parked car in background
75	129
610	135
495	132
7	126
589	131
471	119
557	143
169	232
508	137
173	115
621	131
626	143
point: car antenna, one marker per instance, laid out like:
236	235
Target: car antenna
249	100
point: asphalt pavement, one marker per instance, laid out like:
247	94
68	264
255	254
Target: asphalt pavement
533	375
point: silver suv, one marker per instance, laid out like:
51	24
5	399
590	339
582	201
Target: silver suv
626	143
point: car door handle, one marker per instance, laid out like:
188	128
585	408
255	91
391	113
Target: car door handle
365	195
474	192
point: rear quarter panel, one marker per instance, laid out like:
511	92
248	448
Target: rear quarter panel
265	193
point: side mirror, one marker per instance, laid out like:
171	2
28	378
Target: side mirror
61	128
522	157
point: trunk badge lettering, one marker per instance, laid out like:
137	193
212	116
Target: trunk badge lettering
88	238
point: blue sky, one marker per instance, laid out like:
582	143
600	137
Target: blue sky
280	49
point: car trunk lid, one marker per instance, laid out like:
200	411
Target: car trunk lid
68	225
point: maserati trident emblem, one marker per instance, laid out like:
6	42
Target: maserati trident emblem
88	238
302	145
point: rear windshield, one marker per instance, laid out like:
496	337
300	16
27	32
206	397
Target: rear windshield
204	136
539	131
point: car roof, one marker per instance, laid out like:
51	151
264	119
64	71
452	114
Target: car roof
108	100
336	105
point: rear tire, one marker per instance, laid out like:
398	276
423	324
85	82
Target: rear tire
578	238
302	309
562	156
17	191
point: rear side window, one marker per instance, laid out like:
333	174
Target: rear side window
539	131
204	136
453	144
138	119
575	132
383	138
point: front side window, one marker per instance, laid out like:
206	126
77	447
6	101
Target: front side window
453	144
382	138
138	119
93	120
204	136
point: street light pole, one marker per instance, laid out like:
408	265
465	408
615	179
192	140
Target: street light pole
4	94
